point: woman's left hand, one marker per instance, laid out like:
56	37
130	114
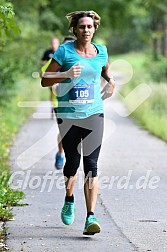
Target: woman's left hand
108	90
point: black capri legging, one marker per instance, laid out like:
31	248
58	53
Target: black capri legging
81	134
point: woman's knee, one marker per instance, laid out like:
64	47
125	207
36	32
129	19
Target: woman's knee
90	167
71	167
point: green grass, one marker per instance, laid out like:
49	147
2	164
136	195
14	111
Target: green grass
11	118
136	59
151	114
3	246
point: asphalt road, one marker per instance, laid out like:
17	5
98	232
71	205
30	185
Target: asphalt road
132	199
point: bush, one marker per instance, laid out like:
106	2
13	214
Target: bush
21	56
12	117
157	69
8	197
152	113
8	76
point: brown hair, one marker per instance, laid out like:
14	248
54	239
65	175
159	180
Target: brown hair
73	18
68	38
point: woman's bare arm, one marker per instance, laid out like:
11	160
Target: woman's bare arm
109	88
52	74
47	78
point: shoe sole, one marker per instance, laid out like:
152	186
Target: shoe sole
92	229
58	167
67	223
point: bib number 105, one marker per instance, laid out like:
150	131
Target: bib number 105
82	93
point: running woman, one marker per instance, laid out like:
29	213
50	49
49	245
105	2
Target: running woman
78	66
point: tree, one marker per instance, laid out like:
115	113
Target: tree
157	12
8	26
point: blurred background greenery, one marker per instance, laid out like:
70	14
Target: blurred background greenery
27	26
133	30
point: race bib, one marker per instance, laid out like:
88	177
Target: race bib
82	94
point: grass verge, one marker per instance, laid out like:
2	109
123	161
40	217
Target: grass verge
151	114
11	118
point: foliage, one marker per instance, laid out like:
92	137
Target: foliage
8	26
11	118
151	114
157	12
157	69
2	235
8	71
119	42
25	55
8	197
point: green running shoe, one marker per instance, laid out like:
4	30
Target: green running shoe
67	213
91	226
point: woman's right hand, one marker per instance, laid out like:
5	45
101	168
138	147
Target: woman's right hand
74	71
53	74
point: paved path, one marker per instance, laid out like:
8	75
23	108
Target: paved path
132	214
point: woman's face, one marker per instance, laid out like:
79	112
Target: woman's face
85	29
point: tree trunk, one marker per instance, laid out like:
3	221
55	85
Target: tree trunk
155	42
155	48
164	39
